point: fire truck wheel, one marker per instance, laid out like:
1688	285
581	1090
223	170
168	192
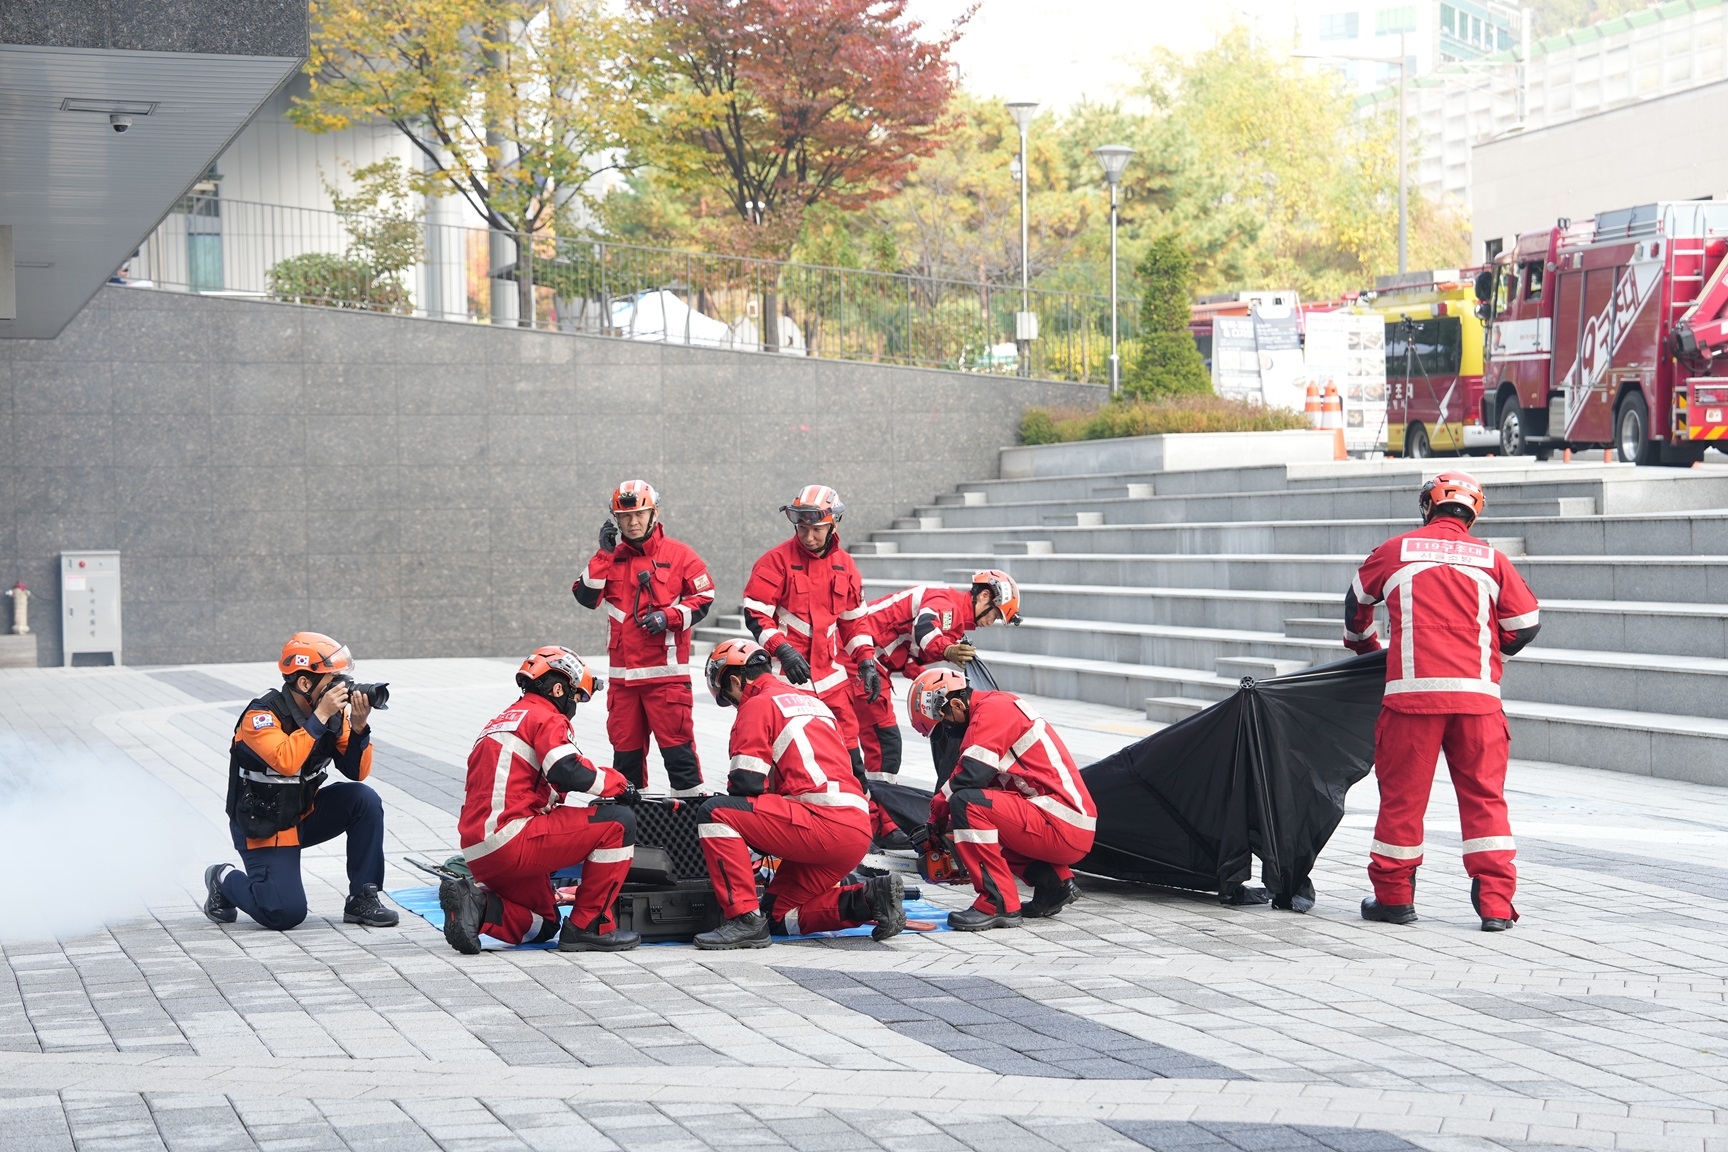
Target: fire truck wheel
1632	431
1512	442
1416	445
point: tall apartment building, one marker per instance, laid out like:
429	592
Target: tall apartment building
1465	102
1435	34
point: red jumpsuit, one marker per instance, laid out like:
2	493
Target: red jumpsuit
648	677
515	835
1015	798
1453	602
816	604
792	795
909	629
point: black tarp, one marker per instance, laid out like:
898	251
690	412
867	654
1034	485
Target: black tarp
1263	773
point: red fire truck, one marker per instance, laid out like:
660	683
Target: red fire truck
1608	332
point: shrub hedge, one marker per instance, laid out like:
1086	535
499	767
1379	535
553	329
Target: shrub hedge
1153	417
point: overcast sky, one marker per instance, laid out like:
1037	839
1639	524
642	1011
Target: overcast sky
1056	51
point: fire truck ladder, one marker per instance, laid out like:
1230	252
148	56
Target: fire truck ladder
1701	332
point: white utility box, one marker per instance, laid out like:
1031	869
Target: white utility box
90	606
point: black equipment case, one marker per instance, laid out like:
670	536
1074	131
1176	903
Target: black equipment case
668	896
668	911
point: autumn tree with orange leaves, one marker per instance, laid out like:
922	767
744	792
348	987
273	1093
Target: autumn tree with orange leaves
778	105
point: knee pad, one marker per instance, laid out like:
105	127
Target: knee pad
714	804
959	803
617	814
889	741
633	766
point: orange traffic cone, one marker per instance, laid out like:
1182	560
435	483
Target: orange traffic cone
1311	406
1332	416
1566	455
1607	455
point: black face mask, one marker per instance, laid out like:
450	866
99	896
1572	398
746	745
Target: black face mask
565	703
953	728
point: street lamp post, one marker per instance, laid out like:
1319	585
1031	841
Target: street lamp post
1403	66
1113	158
1025	324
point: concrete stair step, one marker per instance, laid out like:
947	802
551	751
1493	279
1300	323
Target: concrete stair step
964	499
1072	519
1314	627
921	523
1023	548
1666	745
1654	534
1171	709
1123	492
874	548
1260	668
1649	579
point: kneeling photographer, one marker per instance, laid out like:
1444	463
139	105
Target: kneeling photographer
278	803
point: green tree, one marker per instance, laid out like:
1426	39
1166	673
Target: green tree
516	105
1167	363
384	242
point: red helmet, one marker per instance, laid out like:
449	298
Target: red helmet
584	685
815	504
735	653
1004	592
1452	487
314	652
929	695
633	496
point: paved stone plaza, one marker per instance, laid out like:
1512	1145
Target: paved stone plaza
1138	1019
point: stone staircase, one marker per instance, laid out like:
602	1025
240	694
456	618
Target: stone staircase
1161	590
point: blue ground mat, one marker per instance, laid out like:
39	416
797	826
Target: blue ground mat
423	902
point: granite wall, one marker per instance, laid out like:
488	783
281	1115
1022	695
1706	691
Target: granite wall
421	488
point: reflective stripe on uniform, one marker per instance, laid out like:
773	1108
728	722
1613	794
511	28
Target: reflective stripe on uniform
652	672
715	830
508	746
757	606
1443	684
858	642
797	623
1514	623
495	840
1061	811
833	680
1373	631
1395	851
592	581
751	764
792	734
615	612
983	755
790	920
1489	844
559	753
612	855
831	799
974	835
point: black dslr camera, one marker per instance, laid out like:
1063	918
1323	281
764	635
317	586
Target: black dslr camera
378	694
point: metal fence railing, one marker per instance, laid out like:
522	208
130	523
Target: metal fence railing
214	245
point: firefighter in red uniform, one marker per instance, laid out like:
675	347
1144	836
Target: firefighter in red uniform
656	591
926	624
791	793
515	834
804	603
278	803
1457	608
1015	802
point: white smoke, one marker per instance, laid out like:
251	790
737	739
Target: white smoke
88	838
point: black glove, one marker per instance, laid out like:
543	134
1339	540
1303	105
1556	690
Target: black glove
871	679
797	668
630	797
608	535
654	623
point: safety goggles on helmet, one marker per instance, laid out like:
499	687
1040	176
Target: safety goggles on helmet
816	504
1453	487
313	653
727	655
633	496
584	685
929	694
1004	593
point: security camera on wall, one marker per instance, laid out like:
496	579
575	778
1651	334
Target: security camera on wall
120	123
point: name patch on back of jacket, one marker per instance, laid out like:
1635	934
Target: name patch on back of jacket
508	722
1465	552
791	705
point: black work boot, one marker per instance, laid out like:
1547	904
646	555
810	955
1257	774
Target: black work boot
892	840
218	907
1489	923
1050	893
972	920
365	908
747	931
464	907
1372	909
572	938
886	896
